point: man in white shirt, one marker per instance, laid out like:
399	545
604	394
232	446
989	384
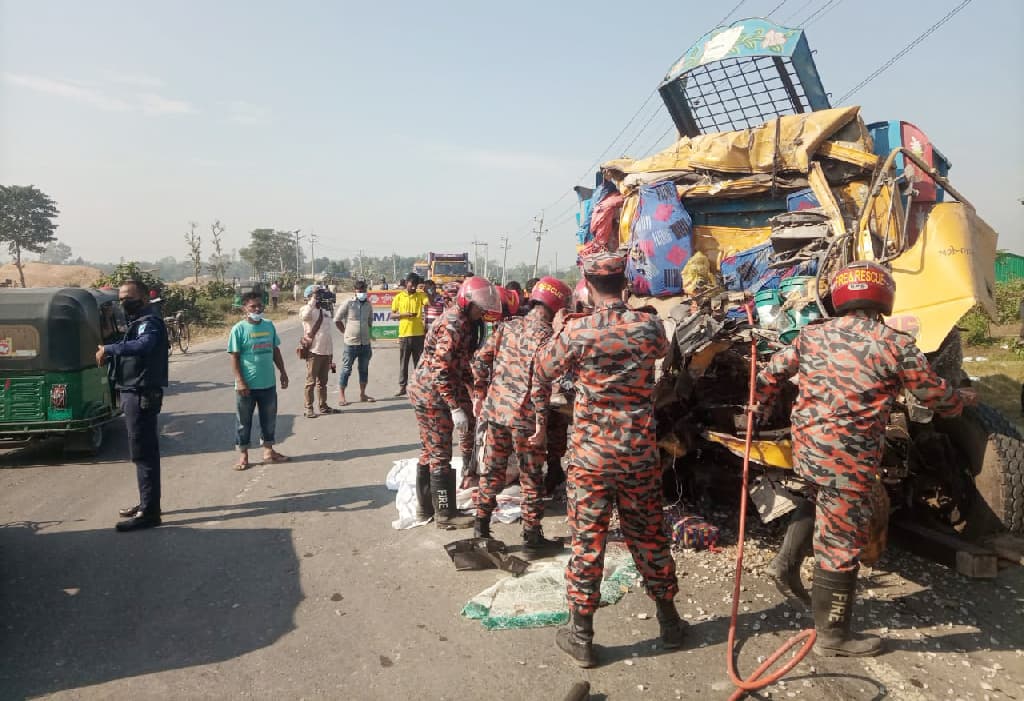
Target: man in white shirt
316	338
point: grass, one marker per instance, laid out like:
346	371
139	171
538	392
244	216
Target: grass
997	372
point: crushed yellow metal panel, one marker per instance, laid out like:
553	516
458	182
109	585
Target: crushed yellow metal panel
881	221
784	144
771	453
848	154
718	242
947	270
826	201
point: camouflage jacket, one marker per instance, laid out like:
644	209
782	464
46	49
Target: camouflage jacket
850	370
503	369
612	352
443	374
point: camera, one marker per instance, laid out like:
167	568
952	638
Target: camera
325	299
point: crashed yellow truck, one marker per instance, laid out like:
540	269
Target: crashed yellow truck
770	190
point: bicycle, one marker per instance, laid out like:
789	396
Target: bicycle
178	332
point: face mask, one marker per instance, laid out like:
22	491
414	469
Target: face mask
361	296
255	316
132	306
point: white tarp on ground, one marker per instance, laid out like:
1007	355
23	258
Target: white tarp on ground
402	478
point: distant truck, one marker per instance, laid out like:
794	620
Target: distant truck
448	267
421	268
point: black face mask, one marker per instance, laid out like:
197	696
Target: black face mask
132	306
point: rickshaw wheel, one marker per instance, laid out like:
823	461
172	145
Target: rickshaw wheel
88	442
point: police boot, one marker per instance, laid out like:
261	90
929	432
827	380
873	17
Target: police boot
577	639
673	627
482	527
784	569
554	477
832	598
534	542
442	494
424	505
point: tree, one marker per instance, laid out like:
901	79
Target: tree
55	253
26	221
195	253
218	261
272	251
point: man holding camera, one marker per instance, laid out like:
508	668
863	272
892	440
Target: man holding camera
319	350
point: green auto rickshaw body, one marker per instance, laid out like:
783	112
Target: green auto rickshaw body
49	382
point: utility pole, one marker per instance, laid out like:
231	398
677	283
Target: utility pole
361	263
476	255
312	255
486	256
504	258
394	267
298	251
539	231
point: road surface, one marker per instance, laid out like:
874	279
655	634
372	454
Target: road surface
288	582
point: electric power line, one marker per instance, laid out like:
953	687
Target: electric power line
726	18
808	24
776	8
650	119
814	14
797	11
904	51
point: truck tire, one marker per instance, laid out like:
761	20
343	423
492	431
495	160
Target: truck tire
994	450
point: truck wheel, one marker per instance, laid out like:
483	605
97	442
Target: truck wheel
994	450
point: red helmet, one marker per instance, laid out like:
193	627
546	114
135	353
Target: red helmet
581	295
482	293
863	285
552	293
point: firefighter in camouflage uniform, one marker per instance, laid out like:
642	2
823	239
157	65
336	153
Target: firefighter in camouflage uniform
613	459
850	371
439	392
503	372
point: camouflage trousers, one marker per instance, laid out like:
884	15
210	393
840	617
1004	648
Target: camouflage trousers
500	443
842	521
436	428
591	495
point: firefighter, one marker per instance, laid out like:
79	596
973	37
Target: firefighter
850	369
613	459
559	422
439	393
503	376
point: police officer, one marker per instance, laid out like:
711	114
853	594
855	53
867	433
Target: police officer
613	456
138	366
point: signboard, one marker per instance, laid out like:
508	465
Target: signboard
383	326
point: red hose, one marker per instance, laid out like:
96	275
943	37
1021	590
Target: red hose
756	681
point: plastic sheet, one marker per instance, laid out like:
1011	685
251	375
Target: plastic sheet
537	598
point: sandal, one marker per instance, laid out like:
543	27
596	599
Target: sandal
371	400
274	457
242	465
345	403
330	410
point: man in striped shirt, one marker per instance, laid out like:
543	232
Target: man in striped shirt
435	308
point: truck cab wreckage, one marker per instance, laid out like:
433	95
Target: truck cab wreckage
775	189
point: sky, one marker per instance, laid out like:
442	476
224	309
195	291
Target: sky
402	127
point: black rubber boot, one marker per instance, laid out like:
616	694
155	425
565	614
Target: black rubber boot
482	527
784	569
554	477
534	542
424	505
673	627
832	599
442	494
577	639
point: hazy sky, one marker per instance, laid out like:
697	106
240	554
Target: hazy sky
415	126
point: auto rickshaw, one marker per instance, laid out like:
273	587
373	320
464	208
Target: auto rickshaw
50	385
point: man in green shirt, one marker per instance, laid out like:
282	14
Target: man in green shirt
407	306
254	348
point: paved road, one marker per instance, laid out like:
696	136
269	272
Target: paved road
287	581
